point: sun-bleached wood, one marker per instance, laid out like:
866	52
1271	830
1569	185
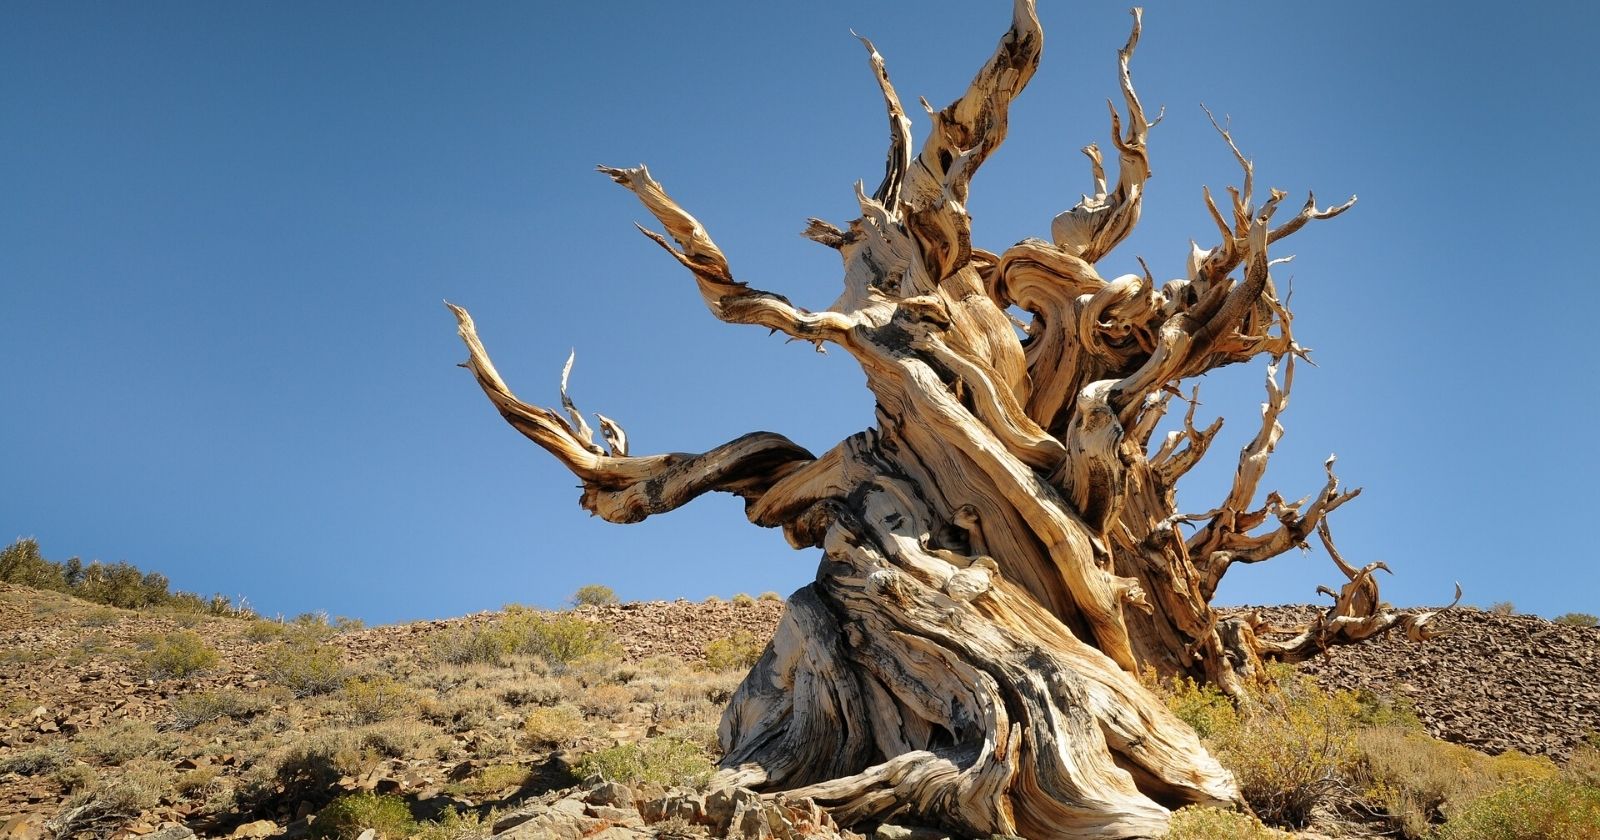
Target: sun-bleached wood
1002	551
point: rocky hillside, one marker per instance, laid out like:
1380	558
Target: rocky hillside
117	723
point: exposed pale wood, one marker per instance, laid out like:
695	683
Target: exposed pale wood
1002	550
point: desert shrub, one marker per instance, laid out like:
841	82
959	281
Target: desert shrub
712	599
265	630
1203	822
1288	749
1203	706
459	713
664	761
743	599
123	741
607	701
492	780
769	596
35	762
305	770
661	665
537	691
100	809
553	726
1577	619
21	563
75	778
594	595
370	698
561	639
346	624
346	817
1503	608
180	654
466	646
1559	807
394	739
1418	781
191	710
305	667
740	650
101	617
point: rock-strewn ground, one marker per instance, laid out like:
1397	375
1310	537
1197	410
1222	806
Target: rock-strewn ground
75	696
1492	682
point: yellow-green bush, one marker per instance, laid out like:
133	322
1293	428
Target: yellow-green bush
1201	822
1417	781
1288	749
743	599
594	595
374	697
554	726
123	741
346	817
305	667
664	761
1560	808
769	596
191	710
560	639
740	650
180	654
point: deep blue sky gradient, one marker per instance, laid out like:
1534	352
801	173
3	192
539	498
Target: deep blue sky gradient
226	230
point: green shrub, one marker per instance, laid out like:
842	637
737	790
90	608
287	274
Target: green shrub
307	668
1577	619
559	638
123	741
1203	706
740	650
35	762
1203	822
770	596
1552	809
554	726
191	710
180	654
594	595
346	817
664	761
743	599
375	697
1417	781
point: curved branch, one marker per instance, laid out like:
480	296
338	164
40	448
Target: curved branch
621	488
899	158
1099	223
973	127
728	299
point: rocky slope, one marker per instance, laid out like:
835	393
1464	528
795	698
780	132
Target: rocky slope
80	714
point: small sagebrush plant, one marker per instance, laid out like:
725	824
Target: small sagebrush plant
180	654
371	698
1289	749
191	710
769	596
1577	619
664	761
743	599
1201	822
1561	807
594	595
347	817
305	667
1417	781
742	649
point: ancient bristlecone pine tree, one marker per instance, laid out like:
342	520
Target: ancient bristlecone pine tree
1002	552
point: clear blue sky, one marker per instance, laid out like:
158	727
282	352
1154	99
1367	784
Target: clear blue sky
226	231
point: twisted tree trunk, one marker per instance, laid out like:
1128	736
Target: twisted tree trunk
1002	553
